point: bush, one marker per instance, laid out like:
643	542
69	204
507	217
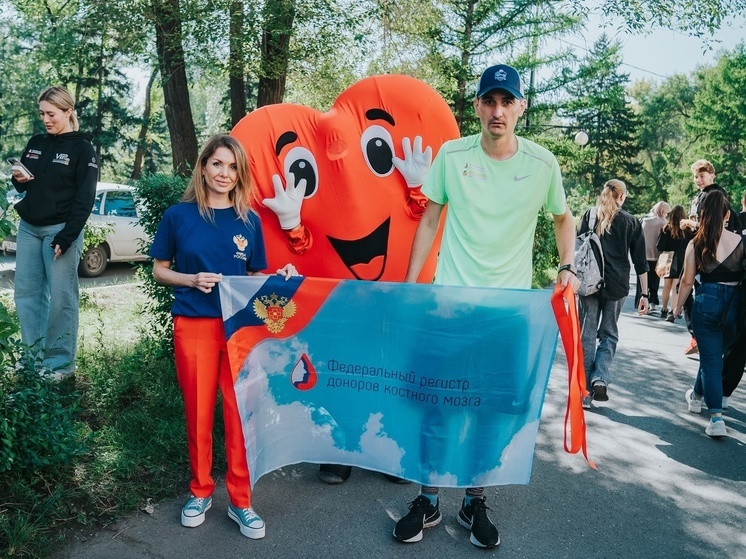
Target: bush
93	447
156	193
37	417
94	233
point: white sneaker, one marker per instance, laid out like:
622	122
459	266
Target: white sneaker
724	405
694	404
716	428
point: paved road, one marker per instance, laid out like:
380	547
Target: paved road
117	272
663	488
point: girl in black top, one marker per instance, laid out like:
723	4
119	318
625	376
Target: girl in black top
717	255
58	200
674	239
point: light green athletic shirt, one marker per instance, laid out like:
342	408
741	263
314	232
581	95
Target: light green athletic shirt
492	211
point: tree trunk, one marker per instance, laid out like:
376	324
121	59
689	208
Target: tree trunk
99	123
175	86
278	28
143	135
236	63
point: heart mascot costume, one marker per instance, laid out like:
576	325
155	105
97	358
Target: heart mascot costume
339	192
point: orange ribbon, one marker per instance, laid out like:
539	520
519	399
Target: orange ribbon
566	312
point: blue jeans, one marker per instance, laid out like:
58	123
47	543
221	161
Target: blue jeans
714	320
598	320
46	295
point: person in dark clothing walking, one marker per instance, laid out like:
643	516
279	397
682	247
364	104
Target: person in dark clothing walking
621	238
59	198
674	239
717	256
704	178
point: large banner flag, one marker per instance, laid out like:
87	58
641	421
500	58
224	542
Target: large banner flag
440	385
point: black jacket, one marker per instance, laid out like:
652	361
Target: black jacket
65	169
623	240
734	223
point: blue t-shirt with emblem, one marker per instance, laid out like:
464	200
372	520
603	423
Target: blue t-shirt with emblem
229	246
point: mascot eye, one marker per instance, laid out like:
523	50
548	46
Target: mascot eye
302	164
378	149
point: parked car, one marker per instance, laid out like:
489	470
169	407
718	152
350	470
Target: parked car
115	204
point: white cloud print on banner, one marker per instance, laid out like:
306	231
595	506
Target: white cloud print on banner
308	430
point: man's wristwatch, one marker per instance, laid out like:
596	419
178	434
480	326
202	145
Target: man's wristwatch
569	267
646	295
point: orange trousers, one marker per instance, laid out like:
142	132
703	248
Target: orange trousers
201	366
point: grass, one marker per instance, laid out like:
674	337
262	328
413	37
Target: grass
127	443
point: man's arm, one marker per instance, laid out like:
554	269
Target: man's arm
564	233
423	240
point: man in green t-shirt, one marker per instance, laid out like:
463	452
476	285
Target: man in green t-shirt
495	184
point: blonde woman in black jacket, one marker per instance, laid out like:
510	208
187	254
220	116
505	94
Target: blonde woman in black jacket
621	238
59	197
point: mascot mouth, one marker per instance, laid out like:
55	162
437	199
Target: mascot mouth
365	257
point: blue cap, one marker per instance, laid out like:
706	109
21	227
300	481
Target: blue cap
502	77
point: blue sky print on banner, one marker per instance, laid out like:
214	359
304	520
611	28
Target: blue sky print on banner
437	384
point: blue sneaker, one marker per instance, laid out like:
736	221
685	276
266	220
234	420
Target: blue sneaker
193	513
248	521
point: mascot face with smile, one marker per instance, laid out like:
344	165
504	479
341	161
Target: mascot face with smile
339	192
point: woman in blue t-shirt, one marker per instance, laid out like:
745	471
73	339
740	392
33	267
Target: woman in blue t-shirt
211	232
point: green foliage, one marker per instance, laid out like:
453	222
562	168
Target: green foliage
599	105
37	415
546	258
94	233
664	111
7	227
81	45
156	194
719	118
124	405
696	17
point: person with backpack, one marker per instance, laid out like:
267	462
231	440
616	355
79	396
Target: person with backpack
621	237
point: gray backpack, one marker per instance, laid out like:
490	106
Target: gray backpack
589	259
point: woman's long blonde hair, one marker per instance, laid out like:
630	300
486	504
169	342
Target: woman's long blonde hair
63	100
609	204
241	196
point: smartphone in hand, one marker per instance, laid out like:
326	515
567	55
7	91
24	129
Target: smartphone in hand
20	167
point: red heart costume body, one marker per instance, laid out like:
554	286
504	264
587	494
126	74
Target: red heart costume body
363	162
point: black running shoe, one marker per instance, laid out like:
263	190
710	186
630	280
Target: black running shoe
474	517
422	514
599	392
